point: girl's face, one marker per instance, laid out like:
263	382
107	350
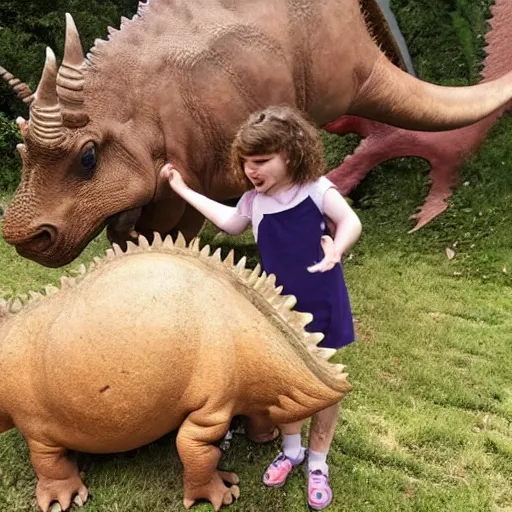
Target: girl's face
268	173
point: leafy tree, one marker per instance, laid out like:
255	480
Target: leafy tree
26	28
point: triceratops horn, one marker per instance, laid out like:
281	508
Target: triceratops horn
45	116
21	89
70	80
46	95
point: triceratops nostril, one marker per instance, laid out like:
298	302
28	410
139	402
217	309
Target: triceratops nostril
42	240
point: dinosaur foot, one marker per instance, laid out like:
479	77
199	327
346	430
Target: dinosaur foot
433	206
215	491
58	495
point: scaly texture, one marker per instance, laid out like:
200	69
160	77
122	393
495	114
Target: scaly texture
174	83
445	151
157	338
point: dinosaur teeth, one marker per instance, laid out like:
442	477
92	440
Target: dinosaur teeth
97	260
324	353
273	299
132	247
109	254
217	255
304	319
194	245
112	30
260	281
50	290
205	251
34	295
253	276
98	43
4	309
339	368
168	243
313	339
288	303
117	249
180	242
229	261
157	240
271	280
240	266
143	242
65	282
15	306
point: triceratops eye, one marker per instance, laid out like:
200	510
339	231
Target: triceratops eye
88	159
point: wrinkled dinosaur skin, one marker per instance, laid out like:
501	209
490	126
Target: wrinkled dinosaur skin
445	151
174	84
188	345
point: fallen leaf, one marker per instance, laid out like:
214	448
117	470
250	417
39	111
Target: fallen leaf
450	253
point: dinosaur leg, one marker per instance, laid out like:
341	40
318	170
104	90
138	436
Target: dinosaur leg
444	181
201	479
58	477
445	151
260	429
380	143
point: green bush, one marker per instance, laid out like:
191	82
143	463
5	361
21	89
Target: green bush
10	164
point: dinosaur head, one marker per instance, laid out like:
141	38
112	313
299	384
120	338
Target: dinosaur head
81	169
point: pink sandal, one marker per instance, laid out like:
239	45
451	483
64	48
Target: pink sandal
278	470
319	490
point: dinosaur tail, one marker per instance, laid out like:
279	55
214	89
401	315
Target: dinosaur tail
317	386
391	96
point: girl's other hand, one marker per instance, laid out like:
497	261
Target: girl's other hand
330	258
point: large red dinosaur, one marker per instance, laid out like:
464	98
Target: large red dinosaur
174	84
446	151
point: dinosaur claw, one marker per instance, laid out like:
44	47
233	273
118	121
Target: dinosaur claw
78	501
187	503
55	508
235	491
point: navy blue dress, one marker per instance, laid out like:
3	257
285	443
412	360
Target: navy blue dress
289	242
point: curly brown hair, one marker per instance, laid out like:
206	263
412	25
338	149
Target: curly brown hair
280	129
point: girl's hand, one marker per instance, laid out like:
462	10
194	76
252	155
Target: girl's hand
330	259
170	173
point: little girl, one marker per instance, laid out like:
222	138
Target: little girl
281	156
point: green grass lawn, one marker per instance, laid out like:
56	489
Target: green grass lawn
428	426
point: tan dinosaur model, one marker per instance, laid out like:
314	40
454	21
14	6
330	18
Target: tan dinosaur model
159	338
174	83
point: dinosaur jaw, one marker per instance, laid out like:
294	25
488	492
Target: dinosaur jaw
121	226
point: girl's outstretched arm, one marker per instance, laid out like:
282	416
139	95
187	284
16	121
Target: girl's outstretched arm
224	217
348	230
